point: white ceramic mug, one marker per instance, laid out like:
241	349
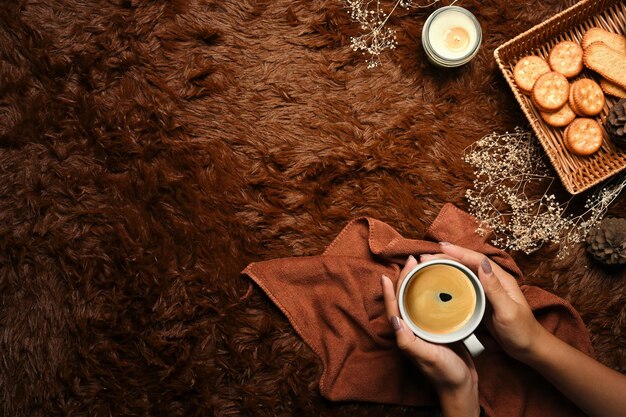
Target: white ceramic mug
466	332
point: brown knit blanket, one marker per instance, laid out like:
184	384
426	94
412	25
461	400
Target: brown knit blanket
149	150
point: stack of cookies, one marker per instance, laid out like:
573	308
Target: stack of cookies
605	53
573	103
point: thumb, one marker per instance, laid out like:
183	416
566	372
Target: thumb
495	292
410	344
404	337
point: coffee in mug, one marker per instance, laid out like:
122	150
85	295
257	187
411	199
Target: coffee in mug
442	301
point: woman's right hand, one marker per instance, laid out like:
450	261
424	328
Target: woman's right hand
595	388
512	321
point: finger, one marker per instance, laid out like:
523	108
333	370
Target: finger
411	263
416	348
406	340
466	256
429	257
389	296
506	280
495	292
473	259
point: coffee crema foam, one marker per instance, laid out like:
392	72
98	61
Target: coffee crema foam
425	295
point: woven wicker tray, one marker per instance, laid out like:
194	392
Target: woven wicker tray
577	173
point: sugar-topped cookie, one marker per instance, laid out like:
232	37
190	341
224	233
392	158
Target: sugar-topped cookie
550	91
527	70
583	136
566	58
588	96
564	116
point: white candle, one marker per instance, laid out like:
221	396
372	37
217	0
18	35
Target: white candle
451	36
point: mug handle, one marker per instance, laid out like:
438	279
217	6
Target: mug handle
473	345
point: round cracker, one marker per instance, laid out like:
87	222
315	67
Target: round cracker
564	116
612	89
527	70
583	136
572	103
551	91
588	96
566	58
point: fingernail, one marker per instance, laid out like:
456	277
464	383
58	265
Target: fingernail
382	277
486	266
425	257
411	258
395	323
445	243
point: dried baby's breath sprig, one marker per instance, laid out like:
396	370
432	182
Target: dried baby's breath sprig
509	168
372	17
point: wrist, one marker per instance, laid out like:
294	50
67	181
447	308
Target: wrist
533	352
459	400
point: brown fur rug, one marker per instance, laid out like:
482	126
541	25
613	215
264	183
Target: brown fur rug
149	150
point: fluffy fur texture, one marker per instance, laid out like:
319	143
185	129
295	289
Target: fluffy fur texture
149	150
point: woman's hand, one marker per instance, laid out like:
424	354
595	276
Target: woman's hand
595	388
512	321
451	371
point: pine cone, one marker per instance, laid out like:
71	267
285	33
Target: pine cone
616	123
607	244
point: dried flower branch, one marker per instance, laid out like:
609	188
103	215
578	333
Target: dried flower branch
507	166
372	18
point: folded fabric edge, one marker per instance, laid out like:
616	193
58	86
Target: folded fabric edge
257	277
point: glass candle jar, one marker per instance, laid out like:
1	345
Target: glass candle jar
451	36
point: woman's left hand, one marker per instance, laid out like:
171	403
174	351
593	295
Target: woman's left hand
449	368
